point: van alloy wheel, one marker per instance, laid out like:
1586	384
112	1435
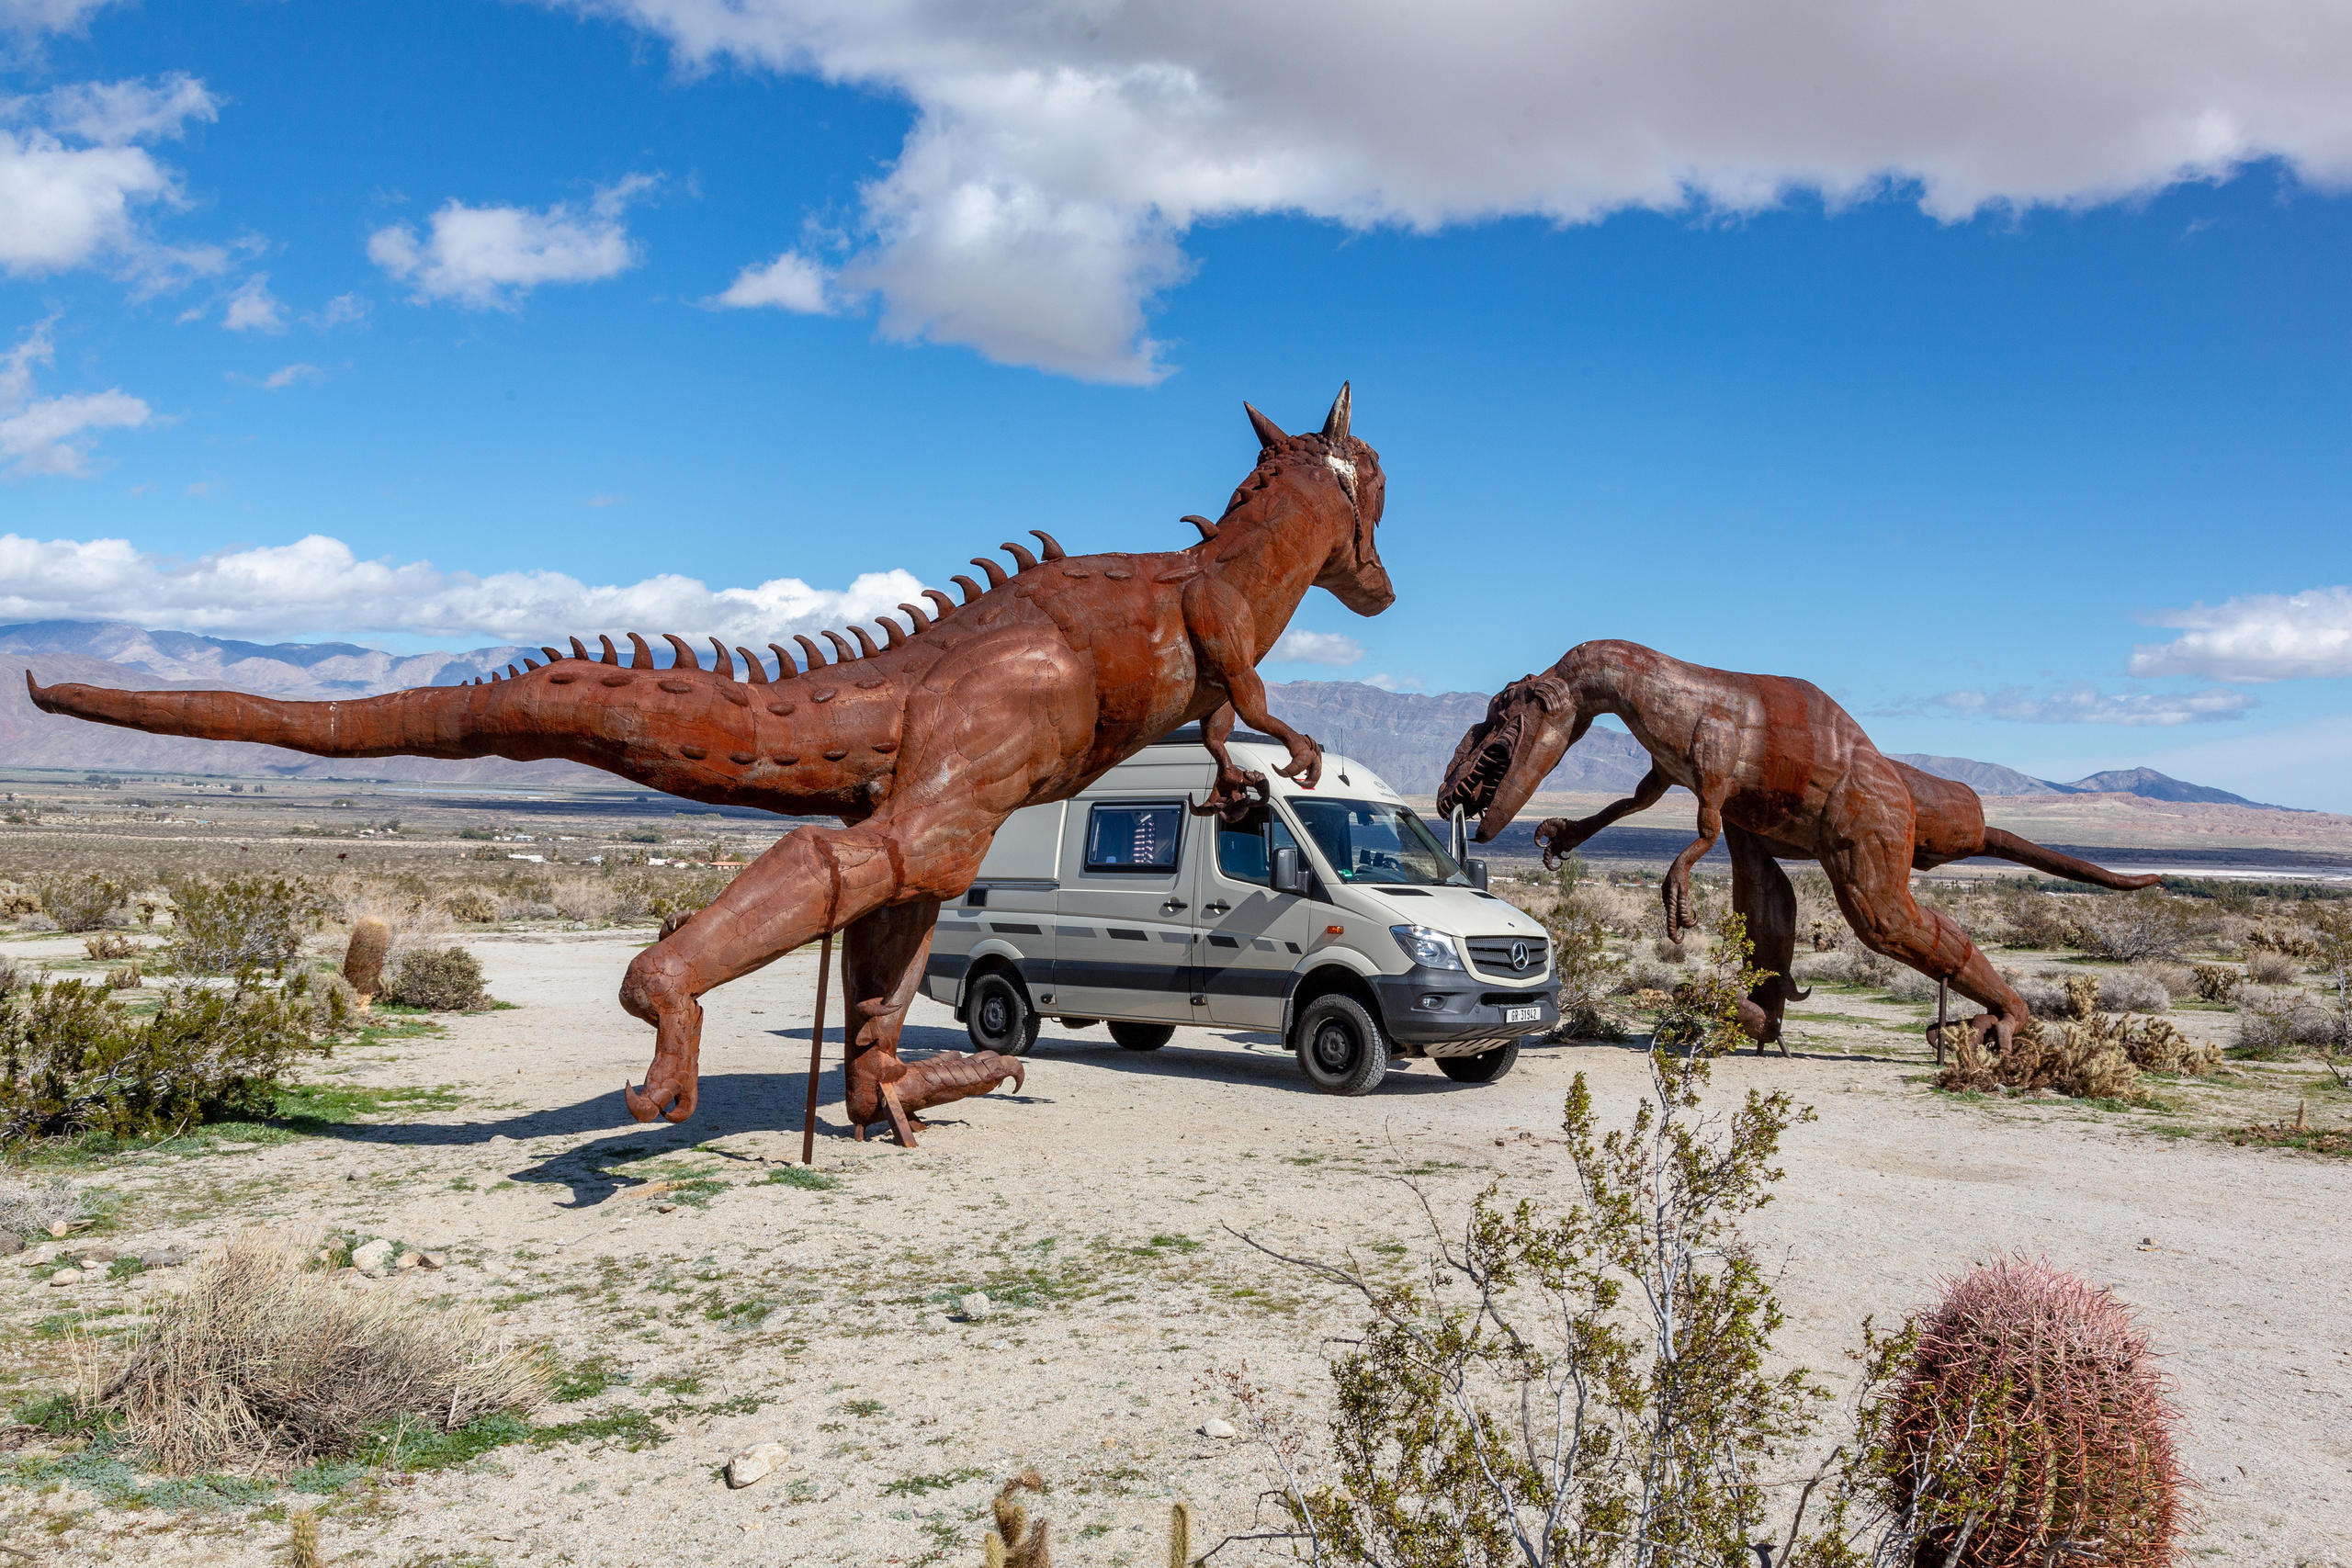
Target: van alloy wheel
1339	1046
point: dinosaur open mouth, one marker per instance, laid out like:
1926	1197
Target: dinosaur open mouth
1474	787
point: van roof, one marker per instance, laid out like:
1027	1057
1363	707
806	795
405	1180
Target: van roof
1190	734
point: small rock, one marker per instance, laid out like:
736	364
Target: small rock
755	1463
66	1277
161	1257
430	1260
97	1253
666	1207
1217	1426
975	1306
10	1244
373	1258
58	1228
407	1260
351	1175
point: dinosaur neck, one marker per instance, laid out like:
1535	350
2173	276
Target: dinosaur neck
1276	537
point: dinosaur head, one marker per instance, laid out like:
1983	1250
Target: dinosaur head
1352	571
1527	731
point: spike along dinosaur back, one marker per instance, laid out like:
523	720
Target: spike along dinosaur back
1031	688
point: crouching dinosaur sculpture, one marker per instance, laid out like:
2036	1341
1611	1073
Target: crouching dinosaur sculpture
1780	770
1026	691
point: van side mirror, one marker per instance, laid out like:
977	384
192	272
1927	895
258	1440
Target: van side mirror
1477	870
1289	873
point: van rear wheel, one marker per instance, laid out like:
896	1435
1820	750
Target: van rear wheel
1142	1036
1485	1068
997	1015
1339	1046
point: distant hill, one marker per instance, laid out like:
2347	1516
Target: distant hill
1405	737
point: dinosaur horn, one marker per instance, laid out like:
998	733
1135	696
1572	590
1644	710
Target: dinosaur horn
997	579
555	655
816	654
495	677
579	649
866	644
971	588
947	605
1268	434
513	673
529	663
685	657
643	658
1053	550
1335	424
612	654
890	630
722	663
1020	553
841	647
921	621
1207	528
755	668
786	668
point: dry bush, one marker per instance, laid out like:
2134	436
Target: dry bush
2150	923
589	900
1830	968
30	1210
473	905
127	978
2216	982
2031	918
2133	990
2289	942
444	979
2269	967
2041	995
265	1365
1907	985
232	925
2177	980
107	946
79	903
2281	1022
2157	1045
1666	952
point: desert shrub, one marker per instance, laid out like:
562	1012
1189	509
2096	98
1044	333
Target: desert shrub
106	946
1646	974
1703	1012
1666	952
79	903
1586	973
15	903
30	1209
73	1063
2041	995
2216	982
2031	918
12	979
1582	1387
2287	942
2272	968
2282	1022
473	905
233	925
446	979
125	978
1868	969
2133	990
587	899
1907	985
263	1363
1830	968
2157	1045
2028	1424
2177	980
2074	1059
2129	926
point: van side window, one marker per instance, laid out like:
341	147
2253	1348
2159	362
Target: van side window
1245	853
1133	837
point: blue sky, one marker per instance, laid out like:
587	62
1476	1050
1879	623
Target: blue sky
1995	378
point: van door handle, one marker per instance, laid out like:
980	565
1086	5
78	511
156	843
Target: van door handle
1174	904
1218	908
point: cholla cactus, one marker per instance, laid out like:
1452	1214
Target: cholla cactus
1018	1542
2082	996
2031	1426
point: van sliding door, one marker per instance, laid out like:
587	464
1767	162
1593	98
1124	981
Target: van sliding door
1123	927
1251	936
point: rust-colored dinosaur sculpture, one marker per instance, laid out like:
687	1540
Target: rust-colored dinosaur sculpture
1779	770
1026	691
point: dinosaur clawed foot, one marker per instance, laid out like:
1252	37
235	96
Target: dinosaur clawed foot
1306	765
1232	799
941	1080
668	1095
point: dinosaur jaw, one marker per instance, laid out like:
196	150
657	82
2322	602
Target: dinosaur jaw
1479	773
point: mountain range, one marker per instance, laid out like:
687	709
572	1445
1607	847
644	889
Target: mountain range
1405	737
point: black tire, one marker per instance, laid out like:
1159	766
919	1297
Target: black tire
1485	1068
998	1016
1142	1036
1339	1046
1079	1022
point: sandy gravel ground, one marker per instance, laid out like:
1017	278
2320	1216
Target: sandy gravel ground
1092	1207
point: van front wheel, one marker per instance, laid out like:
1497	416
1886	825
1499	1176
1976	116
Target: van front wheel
1341	1047
1485	1068
1142	1036
998	1016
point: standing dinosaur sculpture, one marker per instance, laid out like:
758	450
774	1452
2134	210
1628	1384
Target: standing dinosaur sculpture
1779	770
1025	692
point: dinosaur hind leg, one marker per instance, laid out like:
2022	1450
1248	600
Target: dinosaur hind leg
1871	877
883	957
1762	897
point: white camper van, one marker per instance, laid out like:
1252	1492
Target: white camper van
1335	918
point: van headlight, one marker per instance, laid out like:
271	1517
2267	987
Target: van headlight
1432	950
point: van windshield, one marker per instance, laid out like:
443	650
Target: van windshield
1366	841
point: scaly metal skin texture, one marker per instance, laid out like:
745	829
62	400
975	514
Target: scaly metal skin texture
1780	770
1029	690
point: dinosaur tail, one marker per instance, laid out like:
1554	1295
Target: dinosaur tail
2025	851
429	721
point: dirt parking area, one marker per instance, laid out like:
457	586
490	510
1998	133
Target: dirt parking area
742	1303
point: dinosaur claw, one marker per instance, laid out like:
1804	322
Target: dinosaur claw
638	1105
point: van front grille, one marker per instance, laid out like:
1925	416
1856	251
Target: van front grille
1495	954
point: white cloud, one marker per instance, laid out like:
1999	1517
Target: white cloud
52	435
492	256
317	582
253	309
34	17
1388	683
1063	149
791	282
279	380
2083	703
1316	647
2260	637
336	311
72	177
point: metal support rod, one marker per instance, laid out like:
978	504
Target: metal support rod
815	1057
1942	986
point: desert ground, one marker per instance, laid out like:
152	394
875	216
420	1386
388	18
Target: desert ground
1098	1208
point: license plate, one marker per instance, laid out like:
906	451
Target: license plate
1521	1015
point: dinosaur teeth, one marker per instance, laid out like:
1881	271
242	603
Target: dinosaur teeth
643	656
1053	547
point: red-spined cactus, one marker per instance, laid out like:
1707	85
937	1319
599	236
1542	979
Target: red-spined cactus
2032	1426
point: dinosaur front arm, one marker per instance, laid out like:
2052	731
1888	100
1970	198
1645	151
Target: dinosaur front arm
1224	632
1557	836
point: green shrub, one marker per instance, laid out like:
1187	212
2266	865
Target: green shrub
441	979
71	1061
79	903
234	924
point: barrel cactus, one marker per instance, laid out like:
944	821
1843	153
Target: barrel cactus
2031	1427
